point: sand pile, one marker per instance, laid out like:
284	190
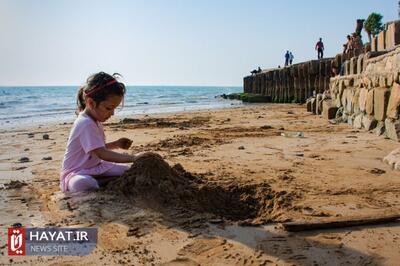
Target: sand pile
151	177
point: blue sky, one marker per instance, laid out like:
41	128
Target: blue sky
168	42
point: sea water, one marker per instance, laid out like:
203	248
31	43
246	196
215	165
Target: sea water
24	106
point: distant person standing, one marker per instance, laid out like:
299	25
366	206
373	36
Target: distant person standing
291	57
320	48
287	56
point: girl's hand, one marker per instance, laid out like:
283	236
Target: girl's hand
124	143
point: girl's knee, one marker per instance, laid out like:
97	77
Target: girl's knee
81	183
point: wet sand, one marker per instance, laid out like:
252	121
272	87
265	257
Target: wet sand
332	172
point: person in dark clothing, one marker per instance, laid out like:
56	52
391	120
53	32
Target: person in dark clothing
320	48
291	57
287	57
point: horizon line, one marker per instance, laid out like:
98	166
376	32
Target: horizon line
127	85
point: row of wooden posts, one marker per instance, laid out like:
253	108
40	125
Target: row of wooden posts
293	83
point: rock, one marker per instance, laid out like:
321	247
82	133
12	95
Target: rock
369	122
362	99
47	158
46	136
350	119
380	128
328	109
360	63
349	100
241	148
392	129
390	80
16	225
353	65
266	127
319	104
343	99
369	105
313	105
31	135
358	121
355	101
23	160
394	102
381	100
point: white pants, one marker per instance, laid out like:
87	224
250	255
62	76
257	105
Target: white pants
79	183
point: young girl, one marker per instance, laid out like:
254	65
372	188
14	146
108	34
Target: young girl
88	160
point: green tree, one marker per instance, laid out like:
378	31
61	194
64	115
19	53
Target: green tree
373	25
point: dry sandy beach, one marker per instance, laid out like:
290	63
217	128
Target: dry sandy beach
332	172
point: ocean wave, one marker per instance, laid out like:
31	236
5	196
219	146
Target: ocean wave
30	115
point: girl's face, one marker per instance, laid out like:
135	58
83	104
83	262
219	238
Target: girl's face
105	109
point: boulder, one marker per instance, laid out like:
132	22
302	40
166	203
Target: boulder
353	65
309	104
328	109
369	105
392	129
319	104
382	81
362	99
381	99
380	128
357	123
360	63
394	102
369	122
349	100
350	119
314	105
355	101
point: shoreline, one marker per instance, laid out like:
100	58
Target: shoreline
333	171
21	126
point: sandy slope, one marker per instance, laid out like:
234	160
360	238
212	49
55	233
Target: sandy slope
334	171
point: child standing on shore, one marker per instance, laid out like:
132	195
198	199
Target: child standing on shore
88	159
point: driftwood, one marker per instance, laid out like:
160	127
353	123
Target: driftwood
330	224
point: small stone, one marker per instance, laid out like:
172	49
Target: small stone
24	160
46	136
241	148
16	225
31	135
47	158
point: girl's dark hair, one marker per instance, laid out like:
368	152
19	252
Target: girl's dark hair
98	87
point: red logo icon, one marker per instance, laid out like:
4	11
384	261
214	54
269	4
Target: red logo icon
16	241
